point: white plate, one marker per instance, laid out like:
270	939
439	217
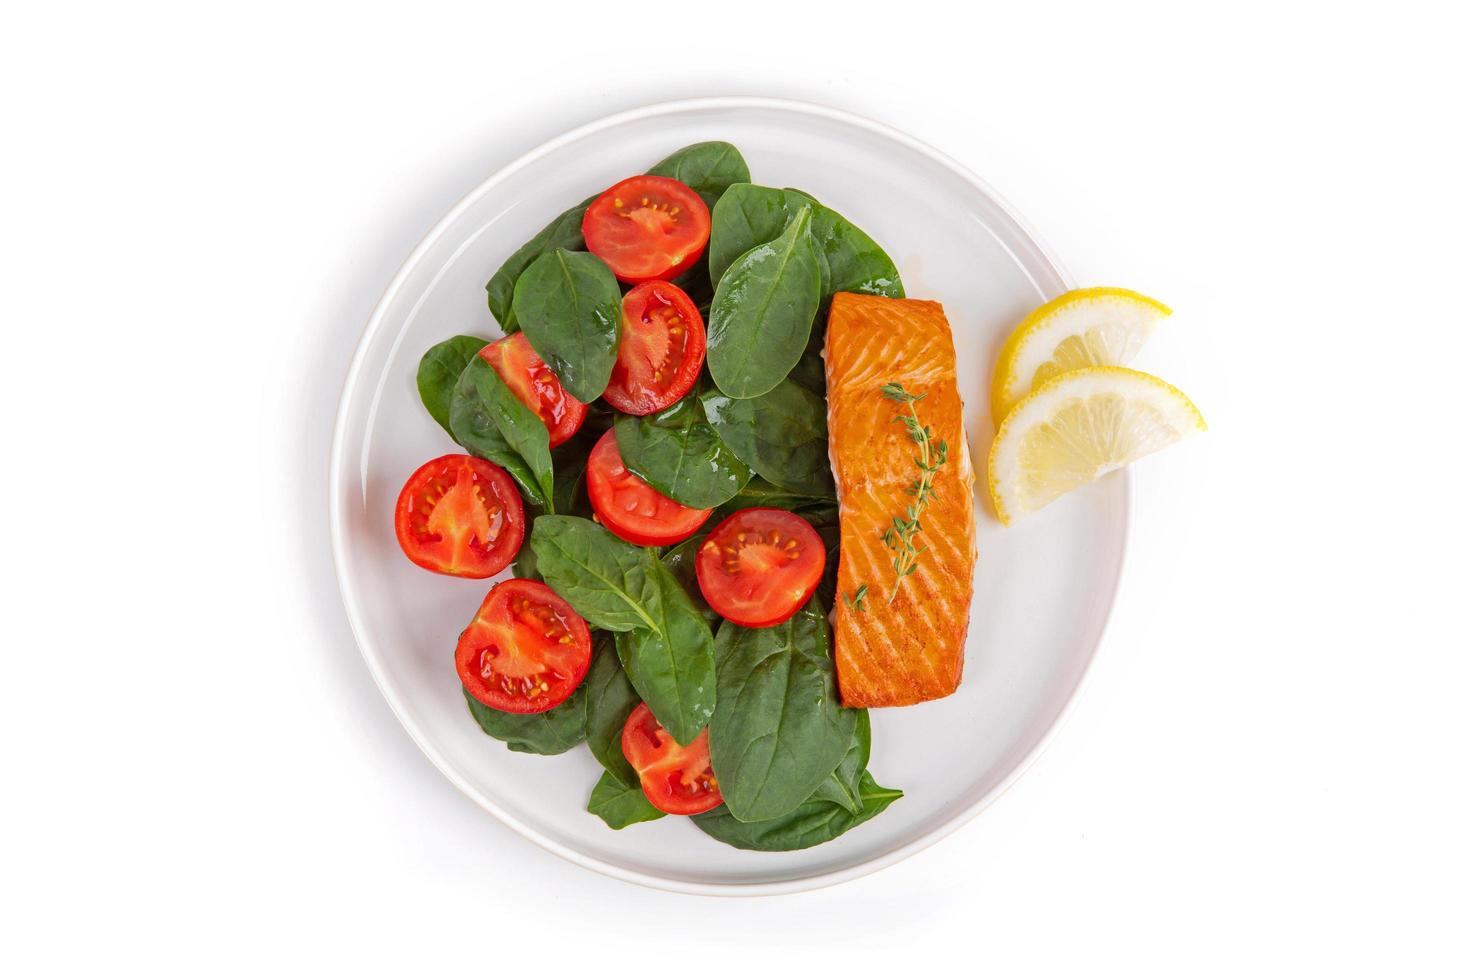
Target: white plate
1043	589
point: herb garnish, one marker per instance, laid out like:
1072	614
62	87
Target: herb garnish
932	455
856	599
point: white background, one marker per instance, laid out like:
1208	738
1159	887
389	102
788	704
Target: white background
1267	774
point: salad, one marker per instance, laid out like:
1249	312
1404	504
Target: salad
646	449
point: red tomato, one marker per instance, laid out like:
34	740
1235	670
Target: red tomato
526	649
660	351
647	228
460	515
760	565
630	508
676	778
523	371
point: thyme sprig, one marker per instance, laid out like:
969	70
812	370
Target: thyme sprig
856	599
932	455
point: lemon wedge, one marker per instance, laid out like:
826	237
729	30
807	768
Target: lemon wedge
1081	328
1079	425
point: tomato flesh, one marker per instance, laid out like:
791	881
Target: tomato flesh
676	778
647	227
526	649
630	508
660	349
535	386
460	515
760	565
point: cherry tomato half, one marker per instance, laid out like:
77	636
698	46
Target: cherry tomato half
460	515
675	778
630	508
526	649
535	387
660	350
647	228
760	565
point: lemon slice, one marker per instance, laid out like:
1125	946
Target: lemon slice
1078	426
1082	328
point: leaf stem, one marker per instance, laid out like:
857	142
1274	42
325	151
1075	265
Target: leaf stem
932	455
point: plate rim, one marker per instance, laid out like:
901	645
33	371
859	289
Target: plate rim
337	522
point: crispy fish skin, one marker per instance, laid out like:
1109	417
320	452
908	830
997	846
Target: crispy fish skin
910	650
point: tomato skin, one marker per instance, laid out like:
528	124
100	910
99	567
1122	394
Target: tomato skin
460	515
676	778
760	565
535	386
647	228
507	661
660	349
630	508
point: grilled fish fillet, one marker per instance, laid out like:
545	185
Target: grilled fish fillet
911	649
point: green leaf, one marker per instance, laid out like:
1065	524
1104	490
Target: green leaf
610	700
749	214
782	435
759	493
844	785
546	733
709	168
486	418
565	231
568	306
606	580
814	822
779	728
763	310
679	454
620	806
679	560
439	371
672	663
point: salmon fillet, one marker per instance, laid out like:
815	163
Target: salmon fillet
912	649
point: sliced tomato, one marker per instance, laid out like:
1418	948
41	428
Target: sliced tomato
675	778
647	228
526	649
630	508
535	386
660	349
460	515
760	565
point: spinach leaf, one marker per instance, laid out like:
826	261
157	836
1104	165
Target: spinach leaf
814	822
709	168
844	785
568	306
679	454
439	370
672	664
610	700
779	729
547	733
679	560
763	310
782	435
565	231
749	214
486	418
759	493
664	643
824	519
569	461
620	806
606	580
524	565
